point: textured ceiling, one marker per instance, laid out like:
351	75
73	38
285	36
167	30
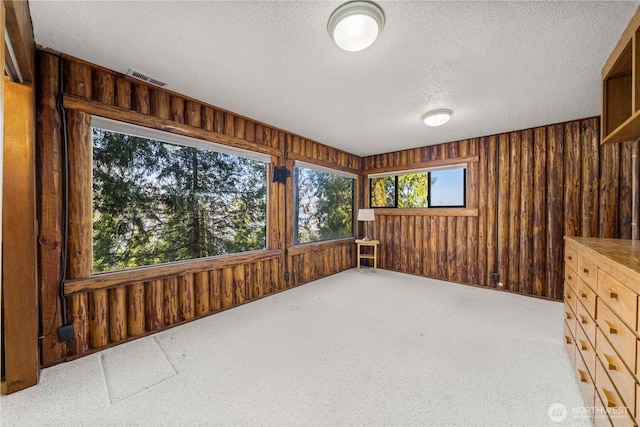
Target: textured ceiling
500	66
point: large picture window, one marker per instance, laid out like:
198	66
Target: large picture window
156	201
443	187
323	205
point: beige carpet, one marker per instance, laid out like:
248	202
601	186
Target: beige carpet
352	349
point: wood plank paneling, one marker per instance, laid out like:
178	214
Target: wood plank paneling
116	306
510	229
525	192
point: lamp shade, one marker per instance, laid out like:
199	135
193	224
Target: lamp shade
366	215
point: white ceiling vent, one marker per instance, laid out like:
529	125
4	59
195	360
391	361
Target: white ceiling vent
141	76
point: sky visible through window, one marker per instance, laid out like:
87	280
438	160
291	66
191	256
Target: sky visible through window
446	189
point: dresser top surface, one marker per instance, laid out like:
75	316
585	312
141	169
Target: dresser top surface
621	251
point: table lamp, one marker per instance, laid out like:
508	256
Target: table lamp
366	215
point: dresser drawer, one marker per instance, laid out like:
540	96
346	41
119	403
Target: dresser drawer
619	336
569	314
570	343
570	297
586	322
620	299
586	296
585	349
599	416
585	381
618	373
618	413
571	258
588	271
570	276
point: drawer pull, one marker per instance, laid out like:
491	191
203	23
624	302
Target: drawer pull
611	403
612	328
568	316
583	295
569	257
567	339
614	295
583	376
569	277
585	270
584	320
583	346
611	366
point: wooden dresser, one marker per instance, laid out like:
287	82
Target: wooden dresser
601	293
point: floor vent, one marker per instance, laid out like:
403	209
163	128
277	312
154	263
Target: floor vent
141	76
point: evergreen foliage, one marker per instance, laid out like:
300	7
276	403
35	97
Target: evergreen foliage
156	202
324	206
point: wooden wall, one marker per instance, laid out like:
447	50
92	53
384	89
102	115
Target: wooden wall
526	190
551	181
110	308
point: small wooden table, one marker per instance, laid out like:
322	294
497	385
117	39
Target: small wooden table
373	256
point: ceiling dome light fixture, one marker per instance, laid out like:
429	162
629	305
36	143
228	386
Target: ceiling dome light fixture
355	25
437	117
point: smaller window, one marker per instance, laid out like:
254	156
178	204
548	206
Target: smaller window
444	187
323	204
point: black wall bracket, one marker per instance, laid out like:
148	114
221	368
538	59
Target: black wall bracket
280	174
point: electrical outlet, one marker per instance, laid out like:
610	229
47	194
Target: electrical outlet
65	332
500	285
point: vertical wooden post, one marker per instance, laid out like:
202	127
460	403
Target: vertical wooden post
117	314
49	187
20	289
609	189
135	317
515	187
527	208
555	212
539	235
502	175
590	177
154	311
80	244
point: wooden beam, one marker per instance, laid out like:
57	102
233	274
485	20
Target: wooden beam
424	164
157	272
77	103
20	289
427	211
18	25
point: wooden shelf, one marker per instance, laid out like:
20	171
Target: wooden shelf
621	88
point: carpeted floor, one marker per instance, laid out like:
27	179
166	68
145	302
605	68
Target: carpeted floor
352	349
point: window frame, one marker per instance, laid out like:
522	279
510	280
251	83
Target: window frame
116	126
396	174
304	165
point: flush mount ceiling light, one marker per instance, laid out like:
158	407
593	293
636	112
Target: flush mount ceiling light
437	117
355	25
